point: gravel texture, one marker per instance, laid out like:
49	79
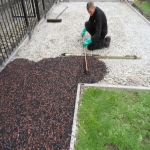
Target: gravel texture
37	101
129	32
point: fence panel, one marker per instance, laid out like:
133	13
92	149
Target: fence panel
17	19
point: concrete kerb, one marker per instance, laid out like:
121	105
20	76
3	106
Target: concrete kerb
120	87
24	41
74	126
103	86
138	13
14	53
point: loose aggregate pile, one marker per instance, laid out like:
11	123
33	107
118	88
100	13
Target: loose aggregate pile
37	101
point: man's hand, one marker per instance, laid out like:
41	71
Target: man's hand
87	42
83	32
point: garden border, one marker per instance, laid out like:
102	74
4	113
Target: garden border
103	86
148	22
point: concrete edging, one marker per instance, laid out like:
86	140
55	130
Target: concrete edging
74	126
138	13
80	85
120	87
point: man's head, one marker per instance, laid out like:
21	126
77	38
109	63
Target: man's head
90	8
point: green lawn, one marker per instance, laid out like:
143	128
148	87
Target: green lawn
114	120
145	6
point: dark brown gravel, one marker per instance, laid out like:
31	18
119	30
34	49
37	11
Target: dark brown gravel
37	101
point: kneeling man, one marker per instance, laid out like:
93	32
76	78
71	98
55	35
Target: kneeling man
97	28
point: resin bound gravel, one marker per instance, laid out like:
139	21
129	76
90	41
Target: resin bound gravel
37	101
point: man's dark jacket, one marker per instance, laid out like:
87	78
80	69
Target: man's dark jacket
100	24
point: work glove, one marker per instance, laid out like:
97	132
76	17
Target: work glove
87	42
83	32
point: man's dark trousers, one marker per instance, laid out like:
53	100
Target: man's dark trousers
98	43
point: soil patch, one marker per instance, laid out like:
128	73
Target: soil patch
111	147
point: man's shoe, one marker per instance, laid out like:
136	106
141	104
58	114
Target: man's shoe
108	39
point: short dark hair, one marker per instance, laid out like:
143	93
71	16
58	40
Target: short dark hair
89	5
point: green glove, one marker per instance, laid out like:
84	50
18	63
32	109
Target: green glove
83	32
87	42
